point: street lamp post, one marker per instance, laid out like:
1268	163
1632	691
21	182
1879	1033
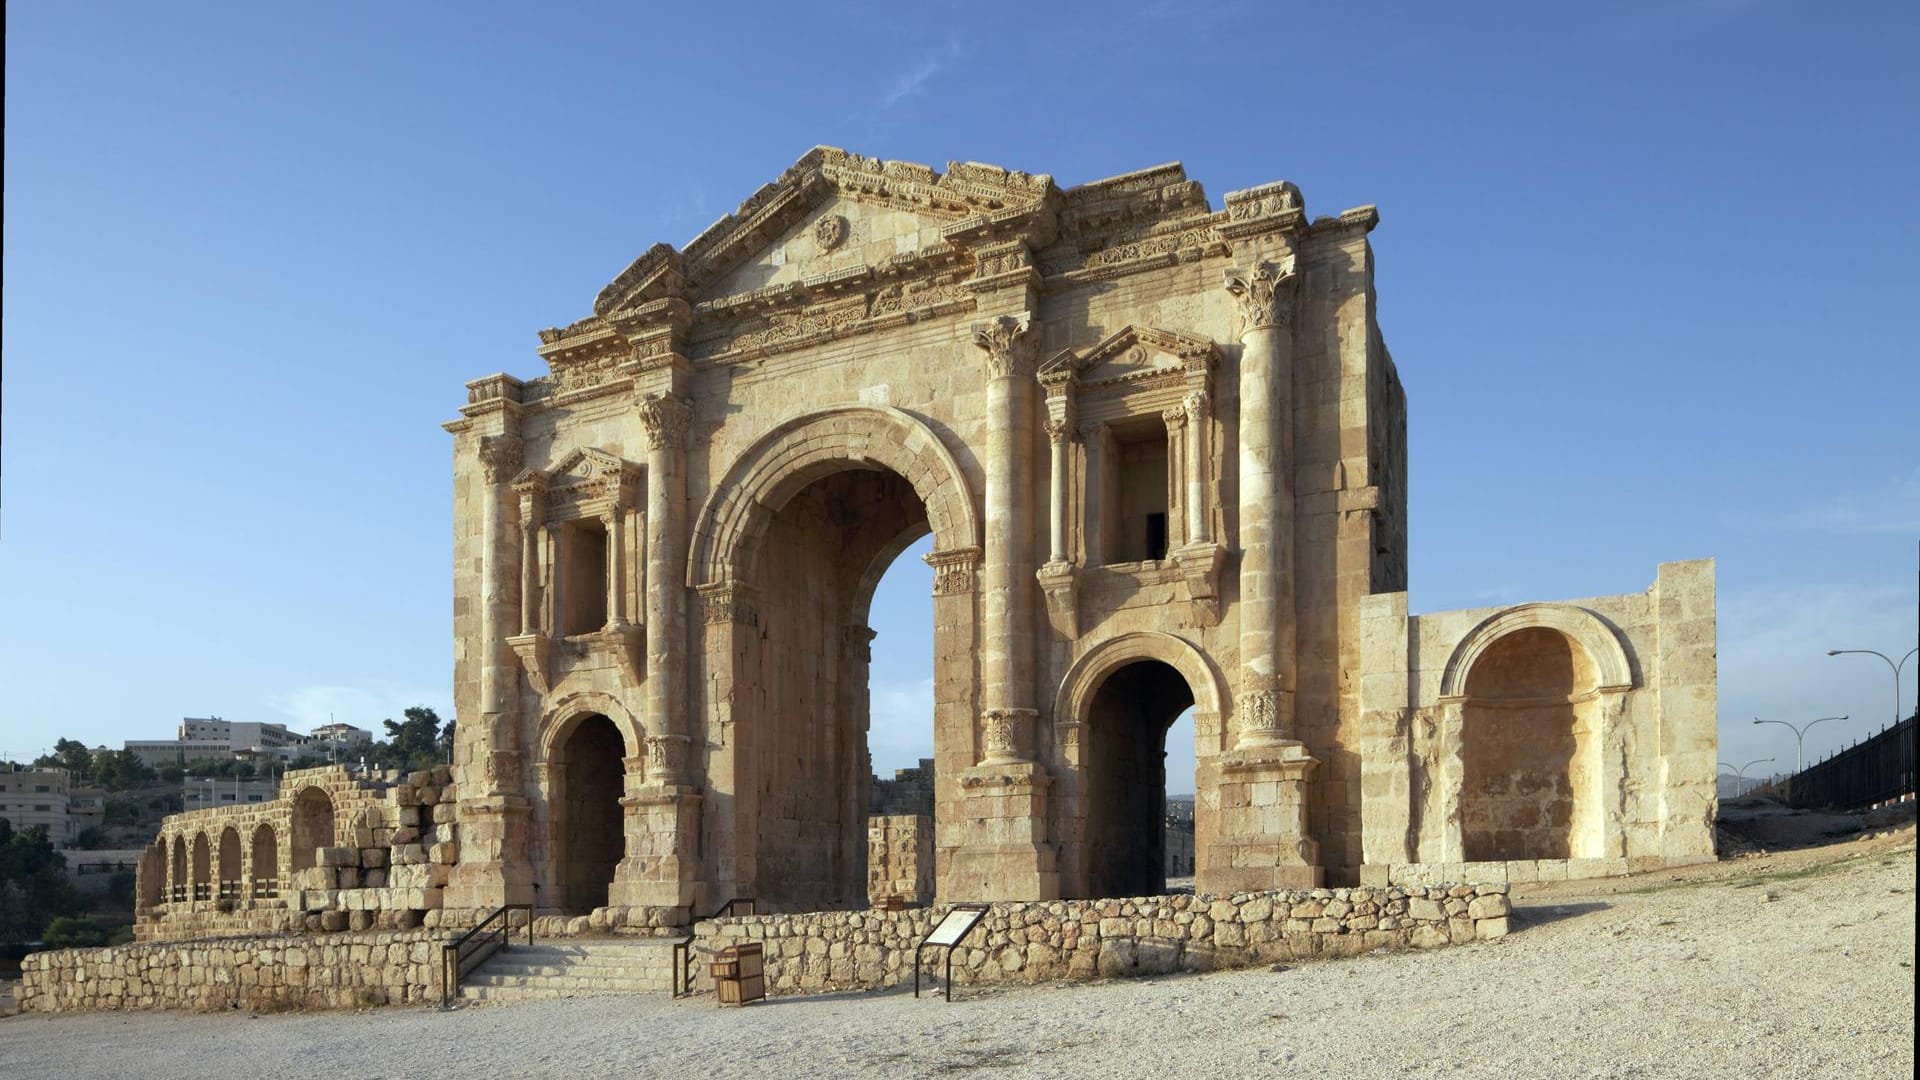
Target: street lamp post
1890	663
1740	774
1799	738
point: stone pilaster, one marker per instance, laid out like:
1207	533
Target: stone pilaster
662	865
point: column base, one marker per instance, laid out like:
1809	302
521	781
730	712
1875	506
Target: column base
1004	854
660	870
1263	841
494	866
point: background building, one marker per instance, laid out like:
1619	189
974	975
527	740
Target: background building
37	798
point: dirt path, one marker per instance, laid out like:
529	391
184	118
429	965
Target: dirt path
1765	966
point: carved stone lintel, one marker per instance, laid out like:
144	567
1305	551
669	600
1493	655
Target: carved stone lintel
536	655
1060	584
1200	565
1005	734
954	571
664	418
728	602
500	457
1004	340
1264	295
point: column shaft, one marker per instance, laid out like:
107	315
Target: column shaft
1057	504
1198	531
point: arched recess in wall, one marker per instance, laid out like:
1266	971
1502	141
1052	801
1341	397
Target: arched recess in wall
230	870
312	826
1530	685
202	863
179	878
266	858
153	872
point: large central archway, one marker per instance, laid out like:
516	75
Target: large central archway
787	555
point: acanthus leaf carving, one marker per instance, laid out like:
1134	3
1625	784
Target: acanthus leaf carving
1264	295
664	418
501	457
1003	339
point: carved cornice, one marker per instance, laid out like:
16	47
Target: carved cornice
1264	295
725	602
1275	207
954	571
1003	339
664	418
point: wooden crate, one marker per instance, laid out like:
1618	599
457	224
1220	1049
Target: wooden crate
741	991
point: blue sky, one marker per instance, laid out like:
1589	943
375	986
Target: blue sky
1645	269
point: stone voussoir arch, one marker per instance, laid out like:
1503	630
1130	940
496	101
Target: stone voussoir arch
1613	672
560	718
814	445
1093	666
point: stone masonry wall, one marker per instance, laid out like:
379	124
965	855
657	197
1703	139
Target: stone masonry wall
900	857
1079	939
328	971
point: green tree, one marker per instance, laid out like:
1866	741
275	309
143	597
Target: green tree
33	885
118	770
413	743
75	932
92	838
71	755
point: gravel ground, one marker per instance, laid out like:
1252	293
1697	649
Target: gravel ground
1750	969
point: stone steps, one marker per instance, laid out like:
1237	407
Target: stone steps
573	969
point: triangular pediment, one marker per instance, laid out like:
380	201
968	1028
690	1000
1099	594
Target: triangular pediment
586	470
1133	352
832	213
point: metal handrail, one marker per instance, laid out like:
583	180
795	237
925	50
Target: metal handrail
455	954
683	949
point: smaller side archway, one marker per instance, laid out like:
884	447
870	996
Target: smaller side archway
265	862
231	887
312	826
152	875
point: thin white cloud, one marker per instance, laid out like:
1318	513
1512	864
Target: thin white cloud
1891	508
915	78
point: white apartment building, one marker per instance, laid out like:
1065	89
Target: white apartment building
32	798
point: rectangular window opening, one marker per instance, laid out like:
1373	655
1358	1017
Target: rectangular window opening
583	586
1137	521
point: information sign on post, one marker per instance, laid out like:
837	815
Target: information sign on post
948	933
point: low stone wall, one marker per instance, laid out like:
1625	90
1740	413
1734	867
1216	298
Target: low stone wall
1078	939
330	971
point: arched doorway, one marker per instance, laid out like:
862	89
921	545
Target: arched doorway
822	556
587	819
312	826
1528	758
152	876
266	862
1125	752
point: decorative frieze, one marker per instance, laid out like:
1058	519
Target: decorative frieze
728	602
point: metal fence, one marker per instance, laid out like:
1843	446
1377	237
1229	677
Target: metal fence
1875	771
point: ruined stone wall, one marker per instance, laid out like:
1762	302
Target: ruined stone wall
900	858
334	971
1080	939
378	858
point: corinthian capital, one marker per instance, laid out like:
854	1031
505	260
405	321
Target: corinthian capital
1264	295
500	456
664	417
1004	341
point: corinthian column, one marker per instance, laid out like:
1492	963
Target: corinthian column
664	418
1265	298
500	457
1006	652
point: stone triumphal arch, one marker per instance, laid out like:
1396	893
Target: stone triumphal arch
1160	448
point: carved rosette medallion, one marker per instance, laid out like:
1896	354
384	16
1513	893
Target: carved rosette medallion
664	417
1003	339
1264	295
830	232
501	457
